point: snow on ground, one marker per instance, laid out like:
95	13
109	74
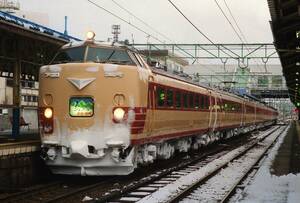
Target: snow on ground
165	193
218	186
270	188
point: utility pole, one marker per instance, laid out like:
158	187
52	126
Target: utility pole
116	30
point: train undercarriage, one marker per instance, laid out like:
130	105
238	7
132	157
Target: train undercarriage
117	161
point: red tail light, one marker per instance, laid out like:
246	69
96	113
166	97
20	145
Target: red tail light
46	119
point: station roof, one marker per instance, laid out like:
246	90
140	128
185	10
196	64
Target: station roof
285	24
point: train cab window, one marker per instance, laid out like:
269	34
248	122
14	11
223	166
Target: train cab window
191	100
70	55
170	98
185	100
178	99
197	102
105	55
160	96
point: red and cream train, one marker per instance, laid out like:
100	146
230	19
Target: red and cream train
103	111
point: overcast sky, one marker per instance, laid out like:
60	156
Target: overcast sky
252	16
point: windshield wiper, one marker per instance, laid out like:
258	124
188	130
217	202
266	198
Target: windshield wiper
112	53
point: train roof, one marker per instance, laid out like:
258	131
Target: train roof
186	78
100	44
176	75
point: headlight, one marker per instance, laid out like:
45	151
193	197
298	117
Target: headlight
119	114
90	35
48	113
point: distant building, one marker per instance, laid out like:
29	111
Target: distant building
166	58
254	76
29	102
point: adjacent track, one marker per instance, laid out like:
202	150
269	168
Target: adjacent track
137	191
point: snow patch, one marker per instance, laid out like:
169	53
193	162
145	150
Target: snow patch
111	70
87	198
92	69
54	69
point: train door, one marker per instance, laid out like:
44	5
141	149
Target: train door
255	113
151	107
221	112
243	117
213	112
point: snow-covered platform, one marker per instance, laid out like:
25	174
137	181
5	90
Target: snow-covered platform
278	180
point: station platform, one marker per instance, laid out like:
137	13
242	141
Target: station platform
6	136
20	160
278	178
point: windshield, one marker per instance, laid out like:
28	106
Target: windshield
69	55
94	54
107	55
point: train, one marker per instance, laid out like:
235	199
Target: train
103	110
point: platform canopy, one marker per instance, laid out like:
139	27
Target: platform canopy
24	47
285	26
33	44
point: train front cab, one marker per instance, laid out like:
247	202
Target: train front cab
90	100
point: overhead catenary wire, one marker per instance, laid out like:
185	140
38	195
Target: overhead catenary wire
149	26
222	11
141	20
235	22
125	21
201	32
241	36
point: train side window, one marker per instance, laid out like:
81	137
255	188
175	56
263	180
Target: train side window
178	99
203	102
207	102
191	100
185	100
160	96
197	101
170	98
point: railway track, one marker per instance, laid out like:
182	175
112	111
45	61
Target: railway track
207	180
52	192
236	169
134	186
138	192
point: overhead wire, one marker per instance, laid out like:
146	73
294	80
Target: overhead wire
131	24
222	11
235	21
201	32
125	21
151	27
241	36
139	19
